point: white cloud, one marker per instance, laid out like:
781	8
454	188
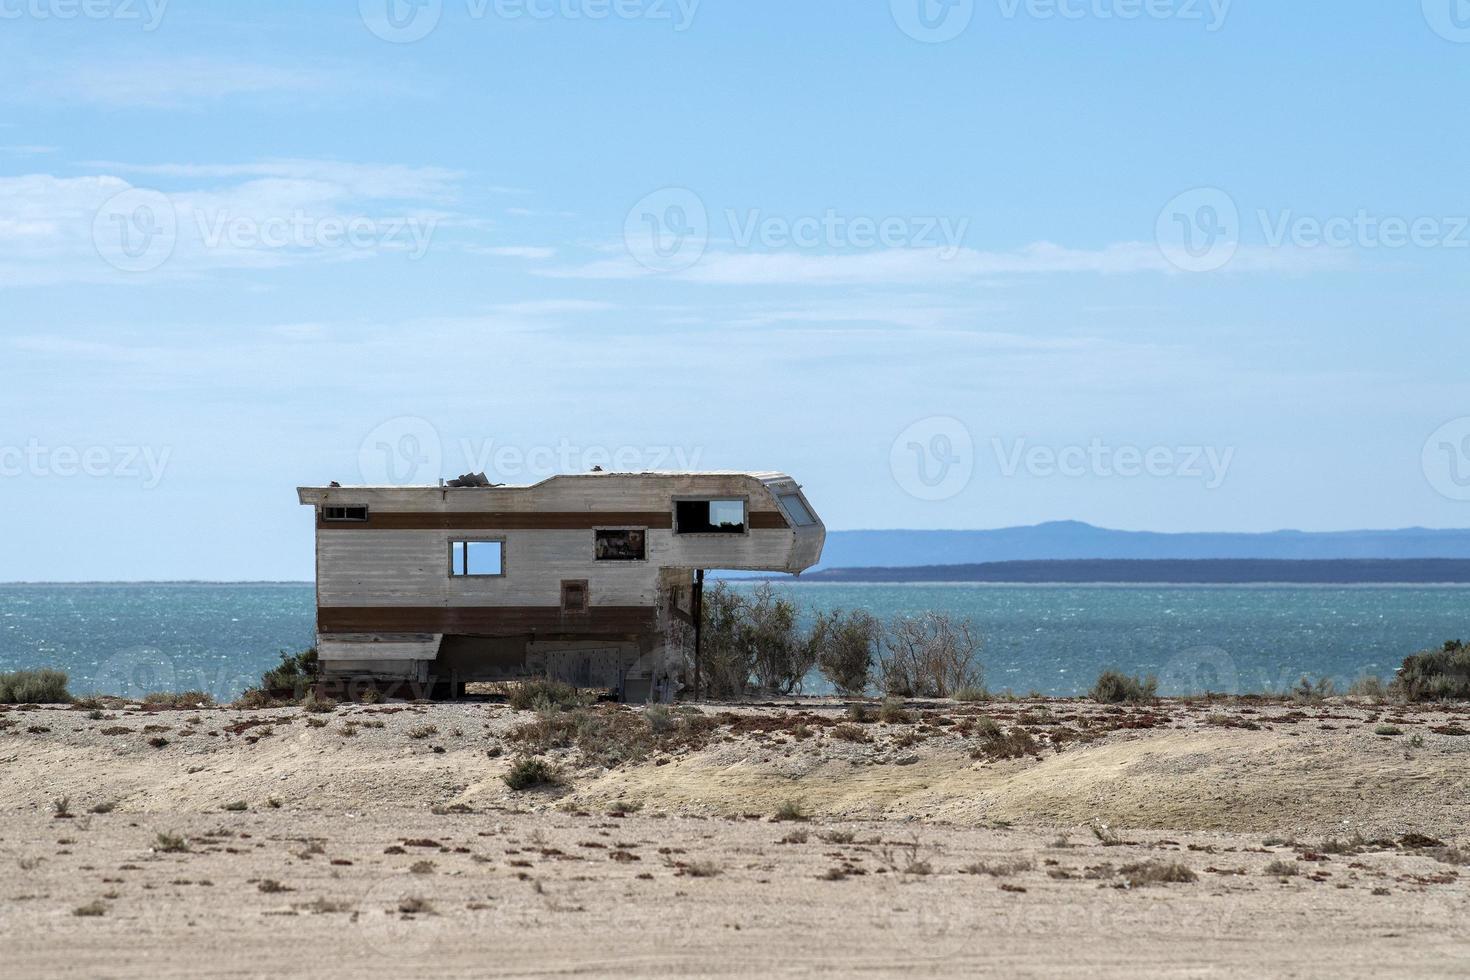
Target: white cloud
377	181
553	307
936	266
57	229
533	252
172	83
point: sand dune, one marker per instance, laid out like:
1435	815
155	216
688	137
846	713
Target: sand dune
919	852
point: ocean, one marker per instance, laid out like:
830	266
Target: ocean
1051	639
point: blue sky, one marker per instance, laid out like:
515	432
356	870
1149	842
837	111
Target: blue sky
936	268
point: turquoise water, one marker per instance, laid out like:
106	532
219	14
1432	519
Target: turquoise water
1239	639
1052	639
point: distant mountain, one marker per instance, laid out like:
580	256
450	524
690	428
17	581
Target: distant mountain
1073	540
1405	571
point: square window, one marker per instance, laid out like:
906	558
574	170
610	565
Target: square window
613	545
476	559
574	597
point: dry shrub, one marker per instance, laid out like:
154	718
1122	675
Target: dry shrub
1115	687
790	811
1371	688
849	733
544	694
893	712
187	701
1017	743
999	869
1157	873
932	655
34	687
1307	692
1436	675
610	735
322	705
846	644
752	642
528	773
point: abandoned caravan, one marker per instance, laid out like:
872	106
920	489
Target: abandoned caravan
595	579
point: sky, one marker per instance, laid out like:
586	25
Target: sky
1151	264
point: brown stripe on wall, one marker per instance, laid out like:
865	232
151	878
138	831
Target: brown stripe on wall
502	521
487	620
766	520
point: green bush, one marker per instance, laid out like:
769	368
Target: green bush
296	672
1436	675
753	643
1115	687
528	773
846	644
34	687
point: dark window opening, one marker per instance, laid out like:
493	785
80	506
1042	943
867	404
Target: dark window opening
574	597
709	517
476	559
621	546
347	513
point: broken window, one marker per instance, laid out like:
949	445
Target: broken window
476	559
627	545
709	517
574	596
796	509
342	514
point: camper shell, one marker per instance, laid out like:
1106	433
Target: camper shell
593	579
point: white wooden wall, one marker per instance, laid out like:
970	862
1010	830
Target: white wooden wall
358	567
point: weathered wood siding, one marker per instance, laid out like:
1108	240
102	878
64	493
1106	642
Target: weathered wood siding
400	558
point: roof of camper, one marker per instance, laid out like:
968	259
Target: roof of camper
769	476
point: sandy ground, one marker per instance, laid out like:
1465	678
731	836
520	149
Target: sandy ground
1278	830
